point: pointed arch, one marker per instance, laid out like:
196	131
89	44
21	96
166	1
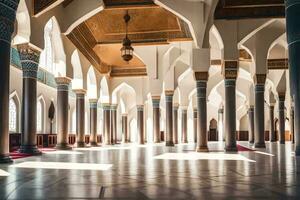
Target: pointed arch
14	112
53	57
104	91
41	115
91	84
23	24
77	82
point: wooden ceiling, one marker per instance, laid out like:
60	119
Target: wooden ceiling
100	37
249	9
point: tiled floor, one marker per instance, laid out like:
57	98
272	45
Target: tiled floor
154	172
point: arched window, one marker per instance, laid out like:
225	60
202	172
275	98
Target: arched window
12	115
39	117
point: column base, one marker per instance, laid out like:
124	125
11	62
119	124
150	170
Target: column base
170	144
5	158
94	144
80	144
63	146
259	145
231	149
297	151
202	149
30	149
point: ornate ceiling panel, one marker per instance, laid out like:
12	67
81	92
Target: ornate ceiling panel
100	37
40	5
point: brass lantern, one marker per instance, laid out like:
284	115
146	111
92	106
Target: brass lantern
127	50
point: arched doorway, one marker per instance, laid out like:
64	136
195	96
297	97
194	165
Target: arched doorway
213	133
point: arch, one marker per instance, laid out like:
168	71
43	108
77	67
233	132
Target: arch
122	106
104	91
77	82
23	24
91	84
53	57
41	115
216	43
14	112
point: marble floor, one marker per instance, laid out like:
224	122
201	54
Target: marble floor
154	172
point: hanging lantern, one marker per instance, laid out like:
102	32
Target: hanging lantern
127	50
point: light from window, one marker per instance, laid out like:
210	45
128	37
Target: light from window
12	116
39	117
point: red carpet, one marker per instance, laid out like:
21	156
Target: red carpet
242	148
16	155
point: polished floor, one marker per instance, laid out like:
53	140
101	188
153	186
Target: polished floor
154	172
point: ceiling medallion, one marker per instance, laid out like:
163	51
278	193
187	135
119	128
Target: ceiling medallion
127	50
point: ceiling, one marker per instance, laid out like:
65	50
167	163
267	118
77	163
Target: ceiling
100	37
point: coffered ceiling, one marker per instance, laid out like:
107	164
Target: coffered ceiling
100	37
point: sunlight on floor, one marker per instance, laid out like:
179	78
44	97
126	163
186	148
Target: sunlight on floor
104	148
202	156
4	173
63	153
63	165
264	153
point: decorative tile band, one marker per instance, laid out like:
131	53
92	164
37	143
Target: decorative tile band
156	103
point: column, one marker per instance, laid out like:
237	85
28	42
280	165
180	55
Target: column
195	124
230	71
184	126
169	118
281	118
251	124
272	124
175	124
140	124
106	124
80	117
221	136
293	37
156	118
292	124
114	124
29	59
7	21
259	108
62	112
201	85
93	122
125	128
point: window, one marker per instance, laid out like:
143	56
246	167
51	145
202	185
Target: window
12	115
39	117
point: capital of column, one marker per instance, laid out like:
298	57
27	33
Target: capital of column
8	10
93	103
195	112
281	96
80	93
140	108
106	106
201	76
183	110
260	79
63	83
155	101
113	107
251	108
221	110
29	57
230	69
125	115
169	95
175	106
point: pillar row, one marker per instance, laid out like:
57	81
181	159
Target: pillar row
113	111
230	71
7	21
281	117
140	124
251	124
29	59
93	121
125	128
80	117
156	118
259	109
62	112
293	39
106	124
175	124
272	124
169	118
201	86
184	125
